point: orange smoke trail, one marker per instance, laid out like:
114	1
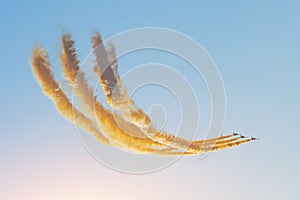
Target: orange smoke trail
110	127
129	127
106	68
41	68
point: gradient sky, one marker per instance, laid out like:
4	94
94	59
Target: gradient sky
256	46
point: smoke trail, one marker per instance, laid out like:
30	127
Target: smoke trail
106	68
78	81
41	68
131	127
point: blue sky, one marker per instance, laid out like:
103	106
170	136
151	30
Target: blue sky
256	47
